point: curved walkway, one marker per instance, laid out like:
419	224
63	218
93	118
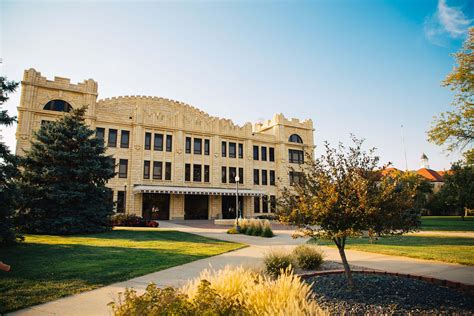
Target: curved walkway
95	302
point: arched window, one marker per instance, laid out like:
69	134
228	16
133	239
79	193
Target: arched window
58	105
294	138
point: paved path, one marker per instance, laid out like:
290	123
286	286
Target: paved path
95	302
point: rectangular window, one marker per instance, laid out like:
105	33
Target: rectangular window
256	204
197	146
255	152
157	170
206	147
296	156
264	153
112	142
147	141
241	175
272	177
188	145
264	177
224	149
112	162
99	132
206	173
123	168
271	153
124	139
121	202
169	143
187	172
232	174
158	144
168	171
256	176
295	177
273	203
224	175
241	151
232	150
197	173
146	169
265	204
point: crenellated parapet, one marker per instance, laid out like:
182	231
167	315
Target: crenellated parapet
280	119
33	77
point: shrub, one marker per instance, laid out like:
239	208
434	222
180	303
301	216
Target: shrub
307	257
277	261
257	227
267	230
232	231
152	224
130	220
244	225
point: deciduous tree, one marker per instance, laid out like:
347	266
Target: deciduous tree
342	194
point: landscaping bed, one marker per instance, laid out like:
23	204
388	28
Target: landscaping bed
382	294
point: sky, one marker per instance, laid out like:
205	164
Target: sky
361	67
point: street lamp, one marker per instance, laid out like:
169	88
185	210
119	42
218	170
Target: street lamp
237	226
125	199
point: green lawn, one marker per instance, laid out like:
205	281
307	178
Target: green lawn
45	268
447	223
441	248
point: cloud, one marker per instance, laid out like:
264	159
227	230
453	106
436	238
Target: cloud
445	24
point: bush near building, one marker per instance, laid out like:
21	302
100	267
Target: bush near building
253	227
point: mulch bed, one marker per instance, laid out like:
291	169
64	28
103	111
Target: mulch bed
382	294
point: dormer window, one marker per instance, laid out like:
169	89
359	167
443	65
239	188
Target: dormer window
58	105
294	138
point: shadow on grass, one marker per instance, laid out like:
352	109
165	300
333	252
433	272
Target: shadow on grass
412	241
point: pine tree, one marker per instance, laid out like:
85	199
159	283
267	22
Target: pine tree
8	171
63	179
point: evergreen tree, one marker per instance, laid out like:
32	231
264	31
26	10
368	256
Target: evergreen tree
8	171
63	179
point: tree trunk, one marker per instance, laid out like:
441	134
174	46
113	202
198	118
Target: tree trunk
341	243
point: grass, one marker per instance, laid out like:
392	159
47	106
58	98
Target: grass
45	268
442	248
447	223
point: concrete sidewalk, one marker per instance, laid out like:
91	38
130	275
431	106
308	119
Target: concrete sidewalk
95	302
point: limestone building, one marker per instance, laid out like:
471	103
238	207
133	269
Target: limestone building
174	161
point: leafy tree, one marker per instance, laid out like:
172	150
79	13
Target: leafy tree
342	194
8	171
456	128
63	179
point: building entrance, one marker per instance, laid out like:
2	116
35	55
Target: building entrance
156	206
196	206
228	206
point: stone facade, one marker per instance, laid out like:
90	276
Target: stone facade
140	115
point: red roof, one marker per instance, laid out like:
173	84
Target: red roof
430	175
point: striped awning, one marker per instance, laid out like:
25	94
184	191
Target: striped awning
194	190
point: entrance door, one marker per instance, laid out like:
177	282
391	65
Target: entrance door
228	206
156	206
196	206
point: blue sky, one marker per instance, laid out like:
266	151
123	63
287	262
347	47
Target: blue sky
362	67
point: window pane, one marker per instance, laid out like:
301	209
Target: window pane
232	150
271	154
241	150
197	173
272	177
124	139
272	203
187	172
206	173
264	153
197	146
169	143
157	170
241	175
99	132
206	147
121	202
168	171
188	145
123	168
112	142
224	149
296	156
255	152
224	175
112	163
256	177
147	141
232	174
265	204
264	177
158	145
256	204
146	170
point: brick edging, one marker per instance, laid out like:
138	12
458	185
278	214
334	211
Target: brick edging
463	287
